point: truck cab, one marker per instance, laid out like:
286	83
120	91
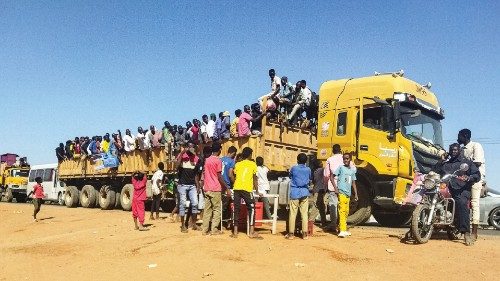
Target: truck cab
392	127
13	184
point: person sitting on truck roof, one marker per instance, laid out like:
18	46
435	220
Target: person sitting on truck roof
303	100
60	152
128	141
167	137
234	124
275	83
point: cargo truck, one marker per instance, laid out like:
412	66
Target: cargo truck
13	177
389	123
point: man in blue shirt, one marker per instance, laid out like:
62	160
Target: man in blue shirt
228	176
300	176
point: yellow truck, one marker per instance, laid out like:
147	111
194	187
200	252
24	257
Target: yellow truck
392	125
13	179
389	123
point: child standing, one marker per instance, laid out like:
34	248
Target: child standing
38	196
346	178
300	176
263	185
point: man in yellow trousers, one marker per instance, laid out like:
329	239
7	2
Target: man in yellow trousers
346	179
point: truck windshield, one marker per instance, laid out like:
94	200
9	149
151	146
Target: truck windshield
20	173
424	128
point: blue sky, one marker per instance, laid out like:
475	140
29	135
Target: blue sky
70	68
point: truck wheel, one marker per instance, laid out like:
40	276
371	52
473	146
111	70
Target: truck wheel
107	198
392	220
360	211
8	195
126	197
87	196
71	197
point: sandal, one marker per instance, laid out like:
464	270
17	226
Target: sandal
256	236
289	236
233	235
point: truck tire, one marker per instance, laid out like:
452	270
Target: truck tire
71	197
8	195
107	198
360	211
126	197
392	220
88	196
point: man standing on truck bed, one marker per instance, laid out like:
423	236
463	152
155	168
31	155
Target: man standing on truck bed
186	163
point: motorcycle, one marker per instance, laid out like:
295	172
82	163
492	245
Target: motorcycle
436	209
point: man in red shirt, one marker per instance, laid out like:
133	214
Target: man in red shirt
38	196
139	180
213	185
244	121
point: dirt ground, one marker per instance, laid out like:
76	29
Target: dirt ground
85	244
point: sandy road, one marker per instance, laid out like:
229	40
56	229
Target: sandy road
84	244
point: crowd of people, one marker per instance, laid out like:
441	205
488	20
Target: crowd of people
292	104
211	183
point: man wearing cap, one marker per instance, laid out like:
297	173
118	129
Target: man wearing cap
225	126
213	186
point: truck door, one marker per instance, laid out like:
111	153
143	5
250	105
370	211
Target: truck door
373	143
48	184
343	130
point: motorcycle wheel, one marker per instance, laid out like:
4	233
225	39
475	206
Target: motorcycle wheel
420	232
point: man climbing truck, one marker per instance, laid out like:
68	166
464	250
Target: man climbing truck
392	127
389	123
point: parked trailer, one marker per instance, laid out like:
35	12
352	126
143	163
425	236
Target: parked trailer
110	188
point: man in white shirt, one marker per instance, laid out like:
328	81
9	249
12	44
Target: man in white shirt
211	125
141	139
303	100
156	182
474	152
263	186
129	141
